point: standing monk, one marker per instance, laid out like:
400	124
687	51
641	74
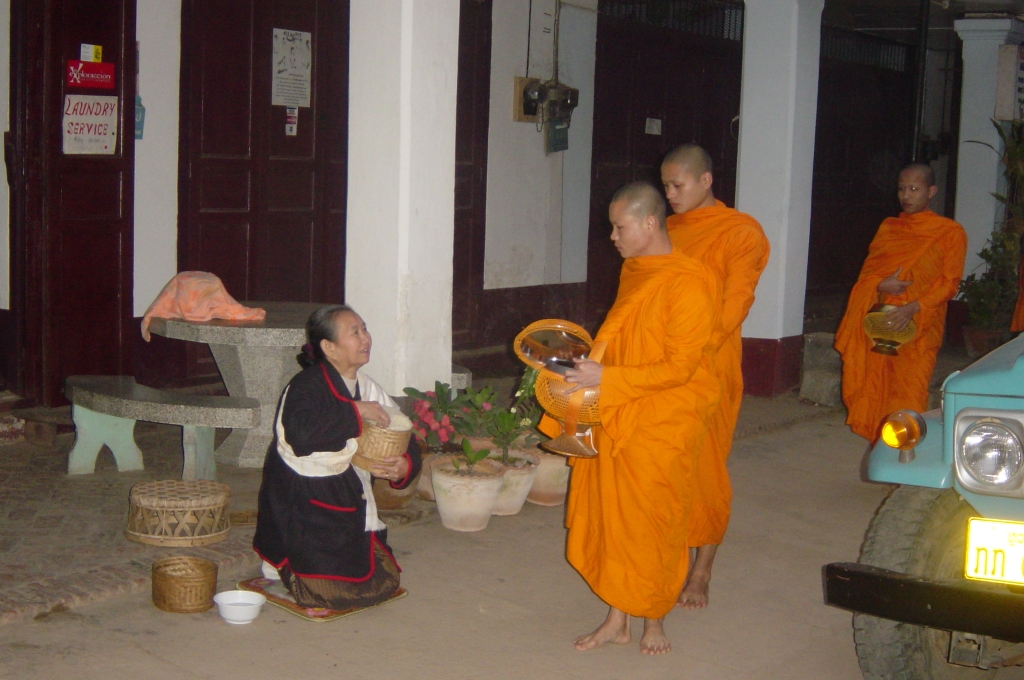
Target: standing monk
657	392
734	247
915	263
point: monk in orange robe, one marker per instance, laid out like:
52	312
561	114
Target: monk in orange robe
914	263
733	245
658	390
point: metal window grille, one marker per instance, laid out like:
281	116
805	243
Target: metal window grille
711	18
869	50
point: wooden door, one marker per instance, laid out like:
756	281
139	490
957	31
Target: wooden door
72	216
263	209
471	121
690	83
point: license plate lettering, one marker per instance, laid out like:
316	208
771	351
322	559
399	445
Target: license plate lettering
995	551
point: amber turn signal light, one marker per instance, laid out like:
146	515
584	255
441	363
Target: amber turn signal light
903	430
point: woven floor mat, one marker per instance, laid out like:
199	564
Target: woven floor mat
279	596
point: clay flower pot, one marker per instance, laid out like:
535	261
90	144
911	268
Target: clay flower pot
465	499
425	487
552	480
516	482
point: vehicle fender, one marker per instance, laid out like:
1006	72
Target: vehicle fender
927	469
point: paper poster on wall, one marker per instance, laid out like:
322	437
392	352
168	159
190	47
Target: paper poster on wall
90	124
90	74
292	64
291	120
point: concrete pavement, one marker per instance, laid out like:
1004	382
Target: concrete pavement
503	603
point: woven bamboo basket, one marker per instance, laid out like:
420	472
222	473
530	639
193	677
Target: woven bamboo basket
886	341
377	443
184	585
178	512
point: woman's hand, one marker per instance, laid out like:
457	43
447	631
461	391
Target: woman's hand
586	374
371	410
392	468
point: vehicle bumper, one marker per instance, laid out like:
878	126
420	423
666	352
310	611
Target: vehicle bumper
964	606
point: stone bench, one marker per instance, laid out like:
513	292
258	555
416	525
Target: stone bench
105	408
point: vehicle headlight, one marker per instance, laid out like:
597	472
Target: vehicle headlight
991	452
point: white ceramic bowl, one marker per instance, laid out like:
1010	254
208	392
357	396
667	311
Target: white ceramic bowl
239	606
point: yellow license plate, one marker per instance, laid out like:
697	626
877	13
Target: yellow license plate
995	551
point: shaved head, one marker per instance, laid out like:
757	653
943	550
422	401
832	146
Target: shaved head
924	169
690	156
642	200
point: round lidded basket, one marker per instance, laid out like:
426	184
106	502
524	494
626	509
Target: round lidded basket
550	345
184	585
377	443
886	341
178	512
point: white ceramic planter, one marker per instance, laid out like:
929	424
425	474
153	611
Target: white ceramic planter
516	482
465	502
424	487
552	480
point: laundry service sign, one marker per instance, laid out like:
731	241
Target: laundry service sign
90	124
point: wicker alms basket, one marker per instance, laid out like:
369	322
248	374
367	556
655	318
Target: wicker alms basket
185	585
178	512
886	340
377	443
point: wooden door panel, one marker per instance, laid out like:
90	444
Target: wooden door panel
92	194
222	244
265	210
471	124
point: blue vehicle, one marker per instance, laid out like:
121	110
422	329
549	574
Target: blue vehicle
939	589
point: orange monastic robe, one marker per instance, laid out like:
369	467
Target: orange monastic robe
658	389
733	245
930	249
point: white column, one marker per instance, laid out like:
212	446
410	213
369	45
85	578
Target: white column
403	72
978	170
778	109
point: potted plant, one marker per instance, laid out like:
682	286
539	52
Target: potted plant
474	416
990	296
434	415
506	426
551	481
466	489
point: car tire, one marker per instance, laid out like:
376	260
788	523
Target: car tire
921	532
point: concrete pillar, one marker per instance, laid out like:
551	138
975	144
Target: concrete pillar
778	110
978	169
403	69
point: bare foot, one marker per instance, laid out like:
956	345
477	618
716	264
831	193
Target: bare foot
654	640
614	629
695	592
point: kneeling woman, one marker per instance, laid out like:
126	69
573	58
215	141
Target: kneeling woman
318	524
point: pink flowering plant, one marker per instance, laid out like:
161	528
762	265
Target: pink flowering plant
476	411
436	413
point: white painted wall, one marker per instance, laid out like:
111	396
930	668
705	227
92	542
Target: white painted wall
577	58
403	74
156	154
778	111
978	170
5	124
538	204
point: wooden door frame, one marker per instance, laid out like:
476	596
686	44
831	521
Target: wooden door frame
34	127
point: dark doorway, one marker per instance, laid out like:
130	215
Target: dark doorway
678	67
263	209
262	206
71	226
471	121
862	139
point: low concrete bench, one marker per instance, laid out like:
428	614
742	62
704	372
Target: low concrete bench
105	408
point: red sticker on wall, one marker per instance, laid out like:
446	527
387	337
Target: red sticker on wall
91	74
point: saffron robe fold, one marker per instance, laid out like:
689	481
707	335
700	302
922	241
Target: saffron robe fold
930	249
733	245
1017	321
658	389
